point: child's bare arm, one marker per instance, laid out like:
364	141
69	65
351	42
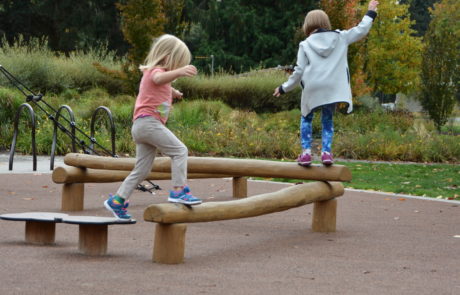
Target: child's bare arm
160	78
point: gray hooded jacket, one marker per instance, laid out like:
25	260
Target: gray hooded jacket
322	66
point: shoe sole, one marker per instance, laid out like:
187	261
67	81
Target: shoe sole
107	206
184	202
327	163
305	164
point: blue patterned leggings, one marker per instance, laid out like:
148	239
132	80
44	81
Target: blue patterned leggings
327	123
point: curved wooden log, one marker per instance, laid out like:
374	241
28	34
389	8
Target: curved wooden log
69	174
226	166
293	196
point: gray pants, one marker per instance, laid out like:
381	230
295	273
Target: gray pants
149	134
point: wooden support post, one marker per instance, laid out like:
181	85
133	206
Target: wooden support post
324	216
41	233
93	239
240	187
169	245
73	195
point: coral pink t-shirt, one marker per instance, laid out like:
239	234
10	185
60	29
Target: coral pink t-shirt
153	100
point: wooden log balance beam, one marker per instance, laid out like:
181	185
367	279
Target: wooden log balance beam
224	166
169	245
84	168
70	174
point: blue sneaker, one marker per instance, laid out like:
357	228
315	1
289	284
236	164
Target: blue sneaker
118	210
184	197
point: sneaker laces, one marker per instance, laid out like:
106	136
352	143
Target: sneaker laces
124	208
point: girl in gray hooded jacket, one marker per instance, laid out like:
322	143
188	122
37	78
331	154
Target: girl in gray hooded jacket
322	72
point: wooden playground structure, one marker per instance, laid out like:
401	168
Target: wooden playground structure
171	219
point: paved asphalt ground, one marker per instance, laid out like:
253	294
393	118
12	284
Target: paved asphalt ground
383	245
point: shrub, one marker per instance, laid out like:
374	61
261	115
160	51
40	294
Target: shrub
441	62
212	128
41	70
252	91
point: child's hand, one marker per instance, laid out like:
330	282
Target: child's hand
277	92
188	71
373	5
176	93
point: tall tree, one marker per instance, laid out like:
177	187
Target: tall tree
244	34
393	52
419	12
68	25
441	62
345	14
142	21
174	13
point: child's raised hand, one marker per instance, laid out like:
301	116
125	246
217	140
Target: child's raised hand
188	71
373	5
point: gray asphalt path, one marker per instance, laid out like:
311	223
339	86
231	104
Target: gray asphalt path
383	245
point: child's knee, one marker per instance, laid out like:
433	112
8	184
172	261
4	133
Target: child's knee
183	151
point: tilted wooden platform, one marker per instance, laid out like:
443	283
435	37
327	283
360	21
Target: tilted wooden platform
93	230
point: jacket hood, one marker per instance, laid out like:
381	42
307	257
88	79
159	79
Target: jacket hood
323	42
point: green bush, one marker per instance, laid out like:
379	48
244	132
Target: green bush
212	128
10	100
41	70
252	91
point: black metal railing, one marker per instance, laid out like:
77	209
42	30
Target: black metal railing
55	131
112	126
38	101
16	131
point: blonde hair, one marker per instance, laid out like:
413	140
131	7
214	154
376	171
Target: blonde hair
316	19
168	52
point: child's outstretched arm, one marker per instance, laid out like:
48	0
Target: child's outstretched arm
296	76
361	30
160	78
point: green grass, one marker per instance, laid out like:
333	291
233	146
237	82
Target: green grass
435	181
428	180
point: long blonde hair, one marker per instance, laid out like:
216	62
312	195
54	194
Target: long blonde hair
168	52
316	19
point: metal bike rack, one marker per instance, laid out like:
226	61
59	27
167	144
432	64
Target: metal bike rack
15	135
56	125
54	115
112	126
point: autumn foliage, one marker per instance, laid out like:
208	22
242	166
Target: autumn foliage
345	14
440	67
142	21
